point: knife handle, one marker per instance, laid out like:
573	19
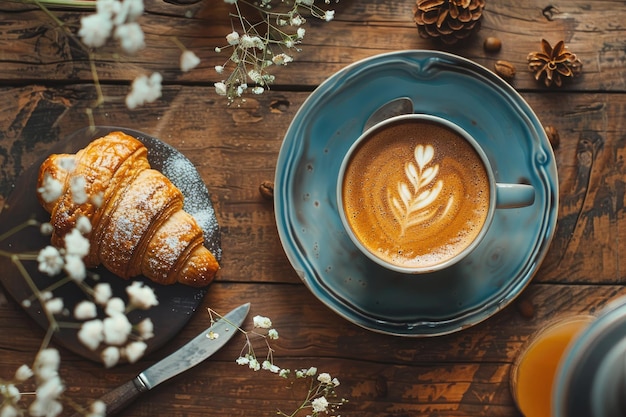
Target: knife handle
119	398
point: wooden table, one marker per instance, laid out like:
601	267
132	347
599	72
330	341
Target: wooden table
46	86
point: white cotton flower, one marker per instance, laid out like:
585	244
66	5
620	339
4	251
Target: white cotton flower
141	296
83	225
115	305
319	405
146	328
144	90
23	373
102	292
76	243
220	88
95	29
50	260
324	378
130	11
232	38
130	36
262	322
77	187
188	61
75	268
91	334
51	189
117	328
134	351
111	7
55	305
85	310
110	356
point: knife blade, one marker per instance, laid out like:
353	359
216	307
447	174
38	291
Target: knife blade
186	357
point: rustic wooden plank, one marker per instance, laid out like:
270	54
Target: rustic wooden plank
460	374
591	30
241	149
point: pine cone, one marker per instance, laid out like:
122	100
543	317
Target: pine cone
448	20
554	63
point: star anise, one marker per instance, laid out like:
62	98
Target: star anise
553	64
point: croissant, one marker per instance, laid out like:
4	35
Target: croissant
138	223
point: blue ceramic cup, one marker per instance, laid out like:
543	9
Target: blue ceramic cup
416	193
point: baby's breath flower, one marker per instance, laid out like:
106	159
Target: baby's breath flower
46	228
243	360
55	305
23	373
232	38
188	61
91	333
102	293
324	378
219	69
146	328
221	89
319	405
134	351
50	261
272	334
76	244
115	305
144	90
83	225
117	328
51	189
262	322
110	356
85	310
75	267
130	36
77	187
95	29
97	409
141	296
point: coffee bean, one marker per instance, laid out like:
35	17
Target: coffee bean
492	44
505	69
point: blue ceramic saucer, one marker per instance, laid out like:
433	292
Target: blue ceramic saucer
308	220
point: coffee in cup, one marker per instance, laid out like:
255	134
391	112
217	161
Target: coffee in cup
416	193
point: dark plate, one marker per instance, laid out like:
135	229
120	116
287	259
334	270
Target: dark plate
176	302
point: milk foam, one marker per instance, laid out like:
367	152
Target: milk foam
416	193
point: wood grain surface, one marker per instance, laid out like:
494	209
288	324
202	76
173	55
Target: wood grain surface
47	92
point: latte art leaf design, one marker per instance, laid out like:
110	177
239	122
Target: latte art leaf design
413	203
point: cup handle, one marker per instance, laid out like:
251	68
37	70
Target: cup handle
514	195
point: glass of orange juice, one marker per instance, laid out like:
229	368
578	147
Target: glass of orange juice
535	369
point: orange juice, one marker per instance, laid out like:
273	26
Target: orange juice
534	370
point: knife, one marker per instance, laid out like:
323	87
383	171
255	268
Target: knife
188	356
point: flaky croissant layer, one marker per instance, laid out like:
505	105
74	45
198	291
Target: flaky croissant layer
138	223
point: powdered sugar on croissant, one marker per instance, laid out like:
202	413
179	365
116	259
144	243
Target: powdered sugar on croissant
139	226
